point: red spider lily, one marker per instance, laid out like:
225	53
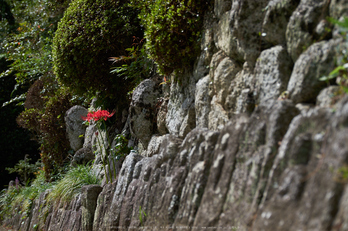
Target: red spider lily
98	115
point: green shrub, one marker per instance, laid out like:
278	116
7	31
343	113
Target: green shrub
89	33
172	30
55	146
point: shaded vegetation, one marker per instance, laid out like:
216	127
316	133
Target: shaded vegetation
172	31
18	199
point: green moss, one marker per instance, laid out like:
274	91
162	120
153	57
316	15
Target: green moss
89	33
172	31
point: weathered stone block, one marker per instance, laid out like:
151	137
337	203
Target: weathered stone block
74	127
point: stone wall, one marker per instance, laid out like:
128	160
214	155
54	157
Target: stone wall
249	139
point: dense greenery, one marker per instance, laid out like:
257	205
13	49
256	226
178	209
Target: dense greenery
66	188
172	30
89	33
29	45
63	190
18	199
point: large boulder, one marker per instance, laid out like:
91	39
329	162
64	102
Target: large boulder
82	156
142	110
276	20
302	28
74	127
89	195
235	36
304	84
272	72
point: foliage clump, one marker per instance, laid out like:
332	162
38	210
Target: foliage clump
172	31
19	199
27	45
47	123
67	187
88	34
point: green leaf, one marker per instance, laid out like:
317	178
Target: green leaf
333	74
15	99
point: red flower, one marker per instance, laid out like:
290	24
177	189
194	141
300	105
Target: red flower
98	115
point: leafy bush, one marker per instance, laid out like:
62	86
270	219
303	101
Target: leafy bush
172	30
88	34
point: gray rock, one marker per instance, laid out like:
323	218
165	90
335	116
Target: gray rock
39	207
276	20
82	157
74	127
180	102
161	117
338	8
218	116
142	109
272	73
202	102
304	84
221	6
154	145
327	96
223	71
300	32
88	137
103	205
108	215
89	197
64	216
236	37
240	98
188	123
309	159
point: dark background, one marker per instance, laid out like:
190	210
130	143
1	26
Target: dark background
15	142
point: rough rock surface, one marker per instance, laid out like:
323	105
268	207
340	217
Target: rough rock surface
82	156
304	84
301	28
276	19
328	96
272	73
74	127
142	110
